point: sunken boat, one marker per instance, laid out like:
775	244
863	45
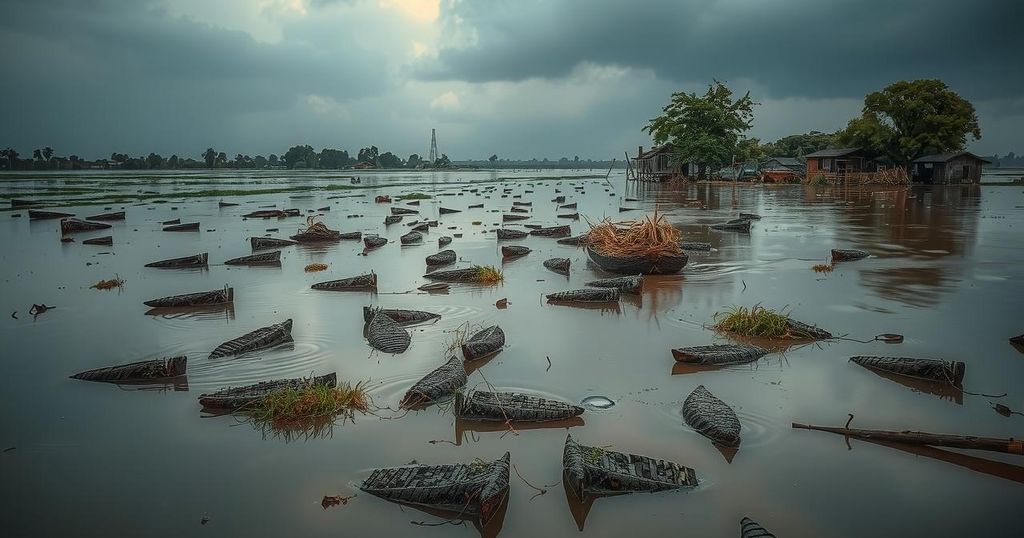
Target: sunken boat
226	204
476	206
195	260
469	274
392	219
552	231
523	204
512	406
35	214
117	215
848	254
631	265
712	417
558	265
72	225
420	227
262	338
750	529
186	227
434	287
695	245
203	298
411	238
385	334
403	211
443	241
350	236
136	372
800	329
265	214
575	241
625	284
367	281
264	243
374	241
263	258
568	206
519	210
447	211
484	343
445	257
597	471
470	491
400	316
172	221
719	354
936	370
510	217
585	295
514	251
238	398
734	225
506	234
106	240
317	233
570	216
436	385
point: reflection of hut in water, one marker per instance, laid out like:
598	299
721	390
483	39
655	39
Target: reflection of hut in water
944	168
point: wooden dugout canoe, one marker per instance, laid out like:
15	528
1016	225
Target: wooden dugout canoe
484	343
186	227
625	284
471	491
238	398
576	241
203	298
444	257
411	238
568	206
72	225
262	338
384	334
350	236
374	241
514	251
803	330
512	406
403	211
263	243
711	417
506	234
392	219
939	371
264	258
469	274
558	265
367	281
509	218
117	215
401	317
436	385
719	354
734	225
585	295
848	254
447	211
750	529
265	214
523	204
35	214
662	265
573	216
152	370
195	260
421	227
552	231
695	245
598	471
444	241
518	210
106	240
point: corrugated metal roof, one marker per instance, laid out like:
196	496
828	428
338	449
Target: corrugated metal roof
946	157
837	152
791	162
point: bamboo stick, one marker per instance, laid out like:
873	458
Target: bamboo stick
992	444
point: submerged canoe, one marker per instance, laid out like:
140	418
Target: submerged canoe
137	371
750	529
361	282
469	274
585	295
719	354
226	204
262	338
804	330
505	233
558	265
735	225
118	215
265	214
444	257
265	258
384	334
186	227
437	385
411	238
472	491
72	225
350	236
599	471
263	243
573	216
575	241
940	371
749	216
625	284
519	210
552	231
568	206
695	245
446	211
403	211
236	398
484	343
663	265
514	251
374	241
392	219
401	317
848	254
203	298
106	240
443	241
512	406
195	260
317	235
523	204
711	417
35	214
172	221
433	287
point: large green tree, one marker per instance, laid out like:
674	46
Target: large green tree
799	145
704	129
907	120
209	156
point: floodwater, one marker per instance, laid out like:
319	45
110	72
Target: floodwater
95	459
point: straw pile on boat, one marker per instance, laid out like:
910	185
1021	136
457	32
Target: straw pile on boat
649	237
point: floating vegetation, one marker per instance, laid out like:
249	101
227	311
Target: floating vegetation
649	237
823	268
314	267
294	404
757	321
415	196
488	274
116	282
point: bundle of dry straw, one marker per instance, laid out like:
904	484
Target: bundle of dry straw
317	229
649	237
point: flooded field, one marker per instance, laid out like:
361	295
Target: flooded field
946	271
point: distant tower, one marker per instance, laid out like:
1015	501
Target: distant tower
433	148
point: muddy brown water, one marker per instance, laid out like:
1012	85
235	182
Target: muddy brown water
97	459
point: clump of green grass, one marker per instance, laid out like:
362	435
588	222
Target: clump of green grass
756	321
289	405
415	196
488	274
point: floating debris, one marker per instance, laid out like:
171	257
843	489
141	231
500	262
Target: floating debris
315	267
151	370
436	385
558	265
374	241
384	334
250	396
576	241
316	232
484	343
262	338
695	245
750	529
719	354
735	225
195	260
761	322
597	402
506	234
514	251
34	214
434	287
443	241
586	295
625	284
712	417
599	471
512	406
266	258
203	298
366	281
401	317
478	274
72	225
116	282
263	243
445	257
848	255
939	371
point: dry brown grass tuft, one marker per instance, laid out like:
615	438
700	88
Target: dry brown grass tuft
115	282
649	237
314	267
823	268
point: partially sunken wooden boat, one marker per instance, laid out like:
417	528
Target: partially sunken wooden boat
186	227
695	245
506	234
264	258
576	241
712	417
519	210
226	204
523	204
803	330
568	206
512	406
660	265
411	238
734	225
106	240
447	211
558	265
469	274
421	227
35	214
403	211
437	385
939	371
392	219
750	529
476	206
317	235
471	491
203	298
172	221
514	251
72	225
357	283
552	231
118	215
571	216
434	287
443	241
374	241
625	284
350	236
238	398
586	295
444	257
597	471
195	260
719	354
384	334
263	243
401	317
262	338
484	343
266	214
142	371
509	218
848	254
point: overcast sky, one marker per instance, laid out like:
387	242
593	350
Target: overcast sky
520	78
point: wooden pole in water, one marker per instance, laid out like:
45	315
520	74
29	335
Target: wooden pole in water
992	444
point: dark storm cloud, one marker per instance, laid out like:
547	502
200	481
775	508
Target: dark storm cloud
790	48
